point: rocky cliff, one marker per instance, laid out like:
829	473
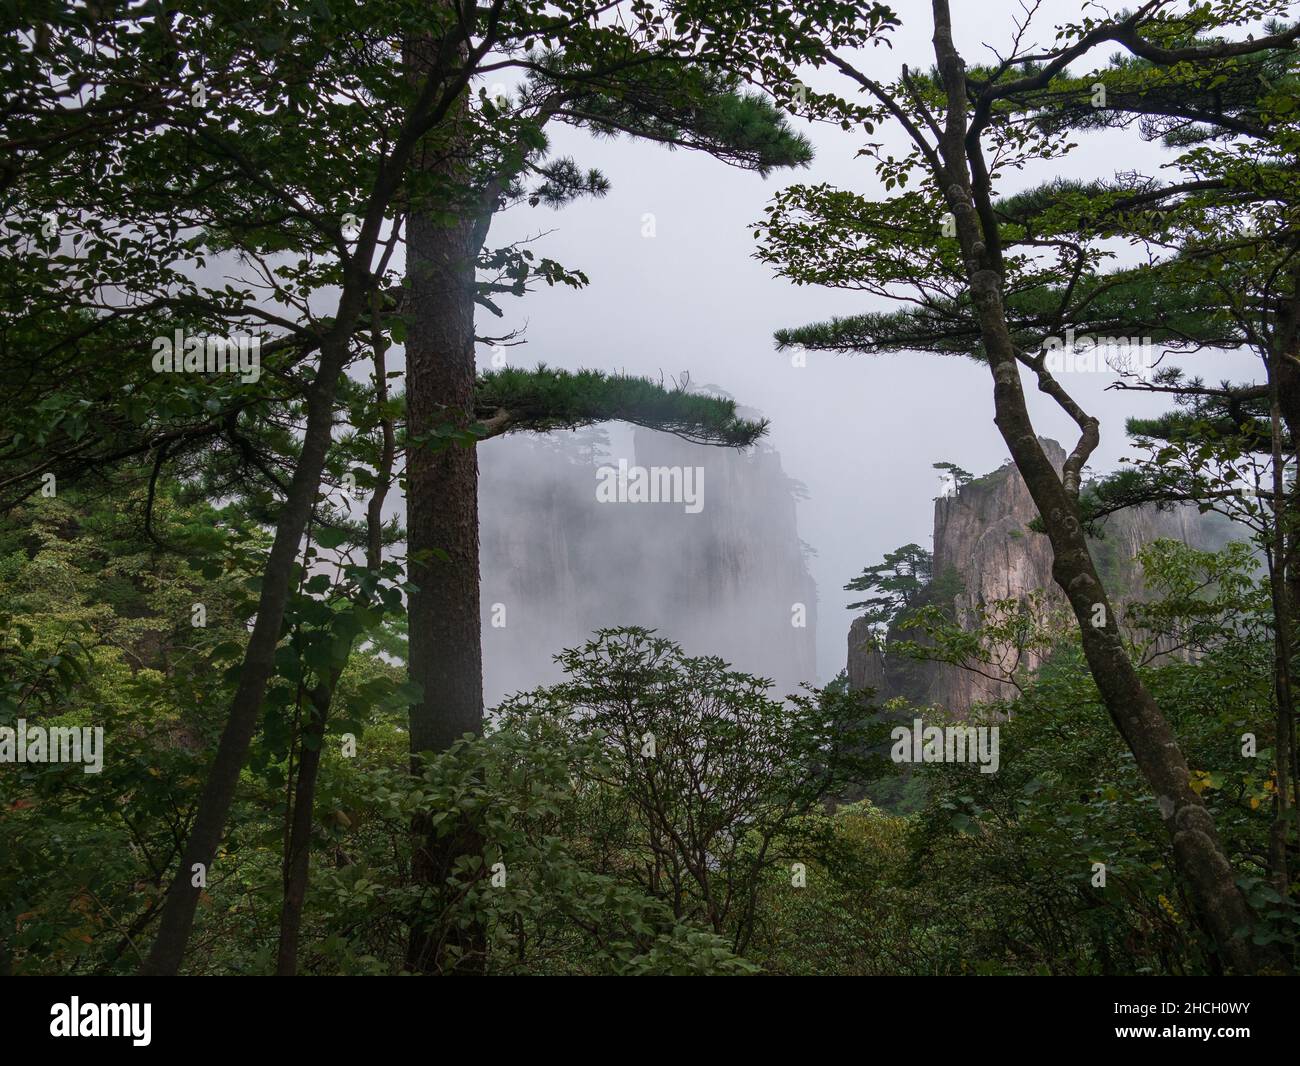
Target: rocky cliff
557	563
981	537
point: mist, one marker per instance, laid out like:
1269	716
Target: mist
675	289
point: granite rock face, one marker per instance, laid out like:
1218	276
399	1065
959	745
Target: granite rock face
981	537
730	579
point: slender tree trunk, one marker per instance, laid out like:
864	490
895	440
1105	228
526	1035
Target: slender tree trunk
298	852
1198	853
259	660
1278	570
1197	850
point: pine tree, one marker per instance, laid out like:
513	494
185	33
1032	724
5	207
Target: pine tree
659	93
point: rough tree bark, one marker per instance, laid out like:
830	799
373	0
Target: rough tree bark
445	640
1282	657
442	486
1285	368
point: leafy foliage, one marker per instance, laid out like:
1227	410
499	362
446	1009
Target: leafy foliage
544	399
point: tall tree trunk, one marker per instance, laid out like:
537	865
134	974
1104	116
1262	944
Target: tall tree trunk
1198	852
1279	567
442	486
1284	369
445	640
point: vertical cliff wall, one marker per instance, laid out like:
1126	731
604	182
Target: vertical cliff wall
981	536
730	580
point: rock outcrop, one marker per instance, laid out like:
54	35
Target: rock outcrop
981	537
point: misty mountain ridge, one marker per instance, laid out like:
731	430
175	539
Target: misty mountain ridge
562	558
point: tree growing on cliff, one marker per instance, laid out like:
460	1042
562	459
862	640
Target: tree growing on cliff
953	476
900	580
